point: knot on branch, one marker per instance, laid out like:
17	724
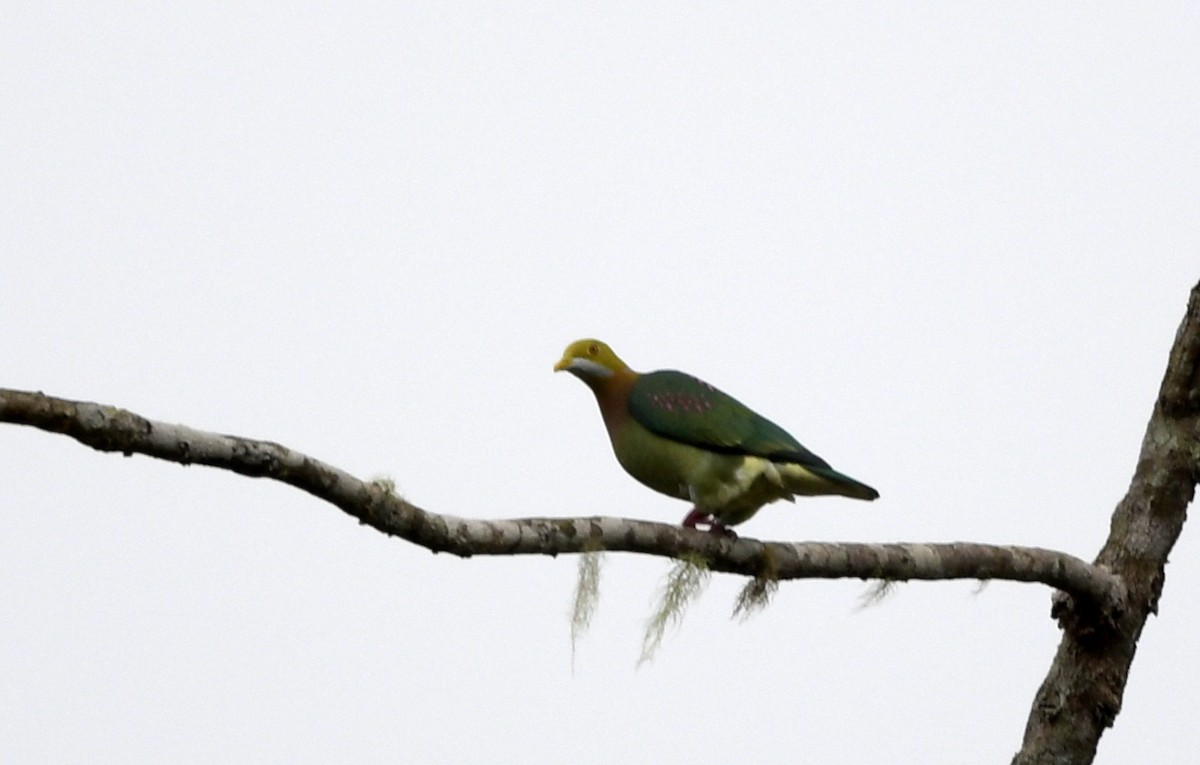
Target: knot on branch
1088	620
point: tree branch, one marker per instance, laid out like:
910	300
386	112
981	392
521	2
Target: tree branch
1102	606
116	430
1082	693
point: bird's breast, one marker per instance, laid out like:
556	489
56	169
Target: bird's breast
664	465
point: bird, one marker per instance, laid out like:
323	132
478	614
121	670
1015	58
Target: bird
684	438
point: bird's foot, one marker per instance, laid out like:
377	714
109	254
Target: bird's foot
716	527
697	517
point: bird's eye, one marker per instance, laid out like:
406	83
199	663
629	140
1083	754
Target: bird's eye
593	349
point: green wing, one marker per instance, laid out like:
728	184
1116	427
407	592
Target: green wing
679	407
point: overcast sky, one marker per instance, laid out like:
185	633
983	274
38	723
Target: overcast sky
947	246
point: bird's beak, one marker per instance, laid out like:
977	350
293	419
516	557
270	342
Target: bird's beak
563	363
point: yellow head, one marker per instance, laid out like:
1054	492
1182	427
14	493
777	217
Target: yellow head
590	360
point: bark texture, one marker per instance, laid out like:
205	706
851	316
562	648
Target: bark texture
1081	694
116	430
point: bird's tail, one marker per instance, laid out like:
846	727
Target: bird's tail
845	485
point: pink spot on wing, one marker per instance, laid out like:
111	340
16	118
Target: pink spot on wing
682	402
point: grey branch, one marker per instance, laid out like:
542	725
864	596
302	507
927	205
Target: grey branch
116	430
1082	692
1102	606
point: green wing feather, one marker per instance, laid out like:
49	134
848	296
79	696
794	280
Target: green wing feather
682	408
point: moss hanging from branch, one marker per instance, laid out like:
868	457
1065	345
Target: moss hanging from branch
685	581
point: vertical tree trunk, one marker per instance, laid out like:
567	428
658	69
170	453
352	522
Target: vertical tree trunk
1081	694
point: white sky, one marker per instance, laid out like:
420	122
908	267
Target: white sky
947	247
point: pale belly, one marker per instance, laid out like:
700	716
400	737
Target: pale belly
727	486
